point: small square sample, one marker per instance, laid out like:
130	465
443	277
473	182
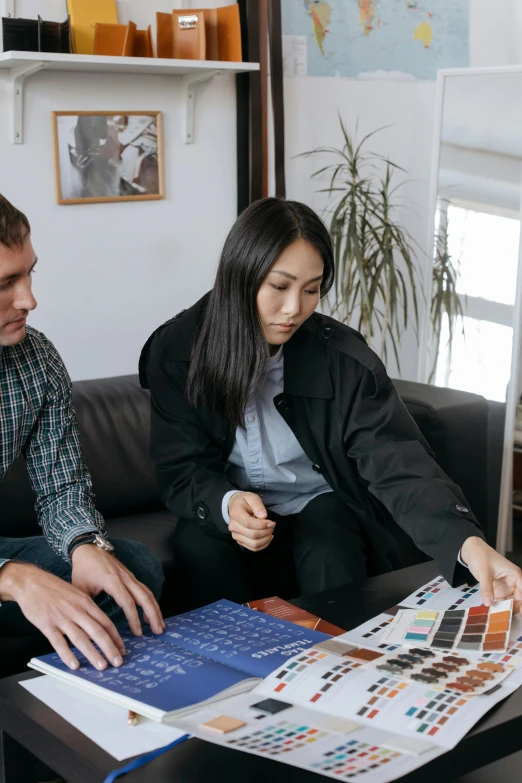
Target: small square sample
270	706
364	654
336	647
340	725
223	724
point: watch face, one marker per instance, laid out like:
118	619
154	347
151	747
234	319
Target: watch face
103	543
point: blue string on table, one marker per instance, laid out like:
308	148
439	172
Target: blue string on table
142	760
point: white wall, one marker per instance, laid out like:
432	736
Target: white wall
409	107
110	273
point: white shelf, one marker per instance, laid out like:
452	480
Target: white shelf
18	66
92	63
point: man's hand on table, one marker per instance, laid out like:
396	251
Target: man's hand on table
61	610
498	578
95	571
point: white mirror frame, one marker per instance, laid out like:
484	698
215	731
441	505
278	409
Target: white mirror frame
504	540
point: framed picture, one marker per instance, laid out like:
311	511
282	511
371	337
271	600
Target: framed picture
108	156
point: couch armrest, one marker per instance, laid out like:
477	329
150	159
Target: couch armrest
455	424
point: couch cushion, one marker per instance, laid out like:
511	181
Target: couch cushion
455	424
154	529
114	419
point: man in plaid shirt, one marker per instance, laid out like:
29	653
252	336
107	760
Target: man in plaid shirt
49	582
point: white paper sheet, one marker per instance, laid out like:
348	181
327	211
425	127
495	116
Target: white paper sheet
102	722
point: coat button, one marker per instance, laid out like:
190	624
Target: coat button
317	468
283	405
463	509
327	333
202	514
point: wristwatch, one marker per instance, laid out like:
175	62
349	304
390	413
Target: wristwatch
92	538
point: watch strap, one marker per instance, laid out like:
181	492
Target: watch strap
91	538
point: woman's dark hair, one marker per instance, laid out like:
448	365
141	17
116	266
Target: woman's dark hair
230	351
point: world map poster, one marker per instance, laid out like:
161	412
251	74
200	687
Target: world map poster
378	37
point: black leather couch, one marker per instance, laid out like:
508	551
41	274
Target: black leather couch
113	415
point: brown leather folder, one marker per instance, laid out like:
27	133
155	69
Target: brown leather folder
129	41
211	33
229	33
223	33
188	35
164	41
109	39
143	43
117	40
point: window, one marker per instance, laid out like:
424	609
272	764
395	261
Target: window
484	244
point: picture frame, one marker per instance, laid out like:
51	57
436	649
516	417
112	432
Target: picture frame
108	156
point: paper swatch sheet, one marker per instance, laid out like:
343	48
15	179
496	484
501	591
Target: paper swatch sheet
350	689
438	594
452	672
338	748
435	595
475	629
370	633
376	728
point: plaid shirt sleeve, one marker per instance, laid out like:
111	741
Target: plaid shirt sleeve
58	474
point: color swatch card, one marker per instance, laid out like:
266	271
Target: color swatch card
370	633
447	671
397	726
340	749
474	630
438	594
355	690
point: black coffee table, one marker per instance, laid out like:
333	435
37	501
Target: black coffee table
28	727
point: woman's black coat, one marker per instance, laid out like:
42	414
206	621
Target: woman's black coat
347	415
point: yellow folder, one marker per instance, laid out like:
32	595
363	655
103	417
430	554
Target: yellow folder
84	16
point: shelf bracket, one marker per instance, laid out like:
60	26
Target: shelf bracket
17	77
189	83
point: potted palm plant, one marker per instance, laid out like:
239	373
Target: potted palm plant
445	301
377	283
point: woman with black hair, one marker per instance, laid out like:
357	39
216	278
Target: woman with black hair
281	442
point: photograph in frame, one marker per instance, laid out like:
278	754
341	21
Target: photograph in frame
108	156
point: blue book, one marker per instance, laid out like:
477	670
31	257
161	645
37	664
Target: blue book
204	655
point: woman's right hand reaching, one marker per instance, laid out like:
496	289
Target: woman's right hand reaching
248	523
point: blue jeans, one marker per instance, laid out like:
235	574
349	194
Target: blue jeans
36	551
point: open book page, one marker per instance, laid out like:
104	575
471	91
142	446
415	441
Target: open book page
155	678
240	637
200	654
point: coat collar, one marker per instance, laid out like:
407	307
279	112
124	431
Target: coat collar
306	371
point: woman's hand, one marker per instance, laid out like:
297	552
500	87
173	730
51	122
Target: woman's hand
248	523
498	577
